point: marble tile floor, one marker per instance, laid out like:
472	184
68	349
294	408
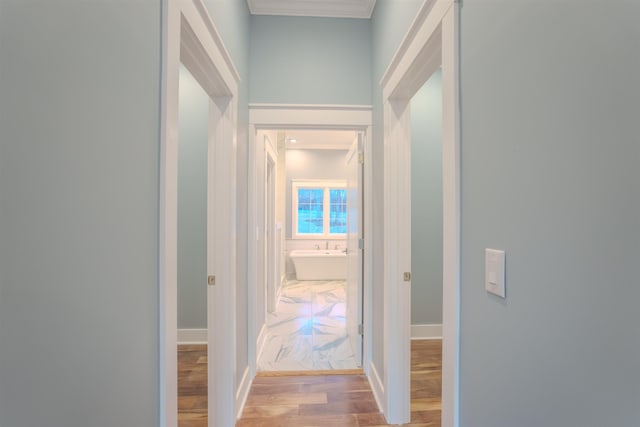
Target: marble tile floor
308	329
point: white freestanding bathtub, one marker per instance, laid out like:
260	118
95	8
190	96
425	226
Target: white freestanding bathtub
320	264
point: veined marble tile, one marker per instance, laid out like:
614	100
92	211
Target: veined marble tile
292	307
286	353
293	325
333	351
324	287
308	329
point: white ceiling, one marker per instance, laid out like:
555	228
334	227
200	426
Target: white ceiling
319	139
361	9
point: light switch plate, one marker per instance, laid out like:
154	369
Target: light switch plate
494	276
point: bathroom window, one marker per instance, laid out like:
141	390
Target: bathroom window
319	209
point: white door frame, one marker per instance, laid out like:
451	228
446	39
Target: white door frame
261	147
354	253
189	36
431	41
270	226
313	117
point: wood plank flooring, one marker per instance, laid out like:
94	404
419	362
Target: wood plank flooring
192	386
313	400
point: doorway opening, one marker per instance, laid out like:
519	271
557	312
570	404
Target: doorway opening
310	148
189	39
193	141
308	238
426	250
431	42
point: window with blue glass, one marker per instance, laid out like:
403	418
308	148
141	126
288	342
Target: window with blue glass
319	209
337	211
310	211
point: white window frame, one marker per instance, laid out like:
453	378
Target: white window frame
326	185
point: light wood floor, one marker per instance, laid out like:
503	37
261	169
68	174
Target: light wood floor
312	400
192	386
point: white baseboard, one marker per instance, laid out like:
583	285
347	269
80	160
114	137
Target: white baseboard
262	339
426	332
192	336
377	386
243	391
279	291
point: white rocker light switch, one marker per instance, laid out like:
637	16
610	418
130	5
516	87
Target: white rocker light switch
494	272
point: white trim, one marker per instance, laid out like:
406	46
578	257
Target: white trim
243	391
258	153
316	146
451	212
432	40
357	9
367	295
221	262
256	297
377	387
397	261
219	52
426	332
402	55
314	117
167	256
270	149
309	107
269	213
288	116
188	33
261	342
192	336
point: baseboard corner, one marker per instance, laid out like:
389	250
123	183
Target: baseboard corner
426	332
377	387
243	391
192	336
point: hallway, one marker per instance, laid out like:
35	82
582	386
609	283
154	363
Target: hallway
313	400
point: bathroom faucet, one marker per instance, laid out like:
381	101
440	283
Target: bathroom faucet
318	247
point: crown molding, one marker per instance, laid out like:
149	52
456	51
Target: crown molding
359	9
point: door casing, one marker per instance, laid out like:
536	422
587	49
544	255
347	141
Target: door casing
269	117
189	36
355	208
431	41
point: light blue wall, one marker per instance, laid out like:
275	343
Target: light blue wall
310	60
550	154
232	19
79	150
426	203
390	21
312	164
549	173
192	203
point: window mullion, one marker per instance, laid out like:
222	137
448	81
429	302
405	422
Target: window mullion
326	212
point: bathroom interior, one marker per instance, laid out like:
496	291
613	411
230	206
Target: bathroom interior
306	329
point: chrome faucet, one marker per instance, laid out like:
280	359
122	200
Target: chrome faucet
318	247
